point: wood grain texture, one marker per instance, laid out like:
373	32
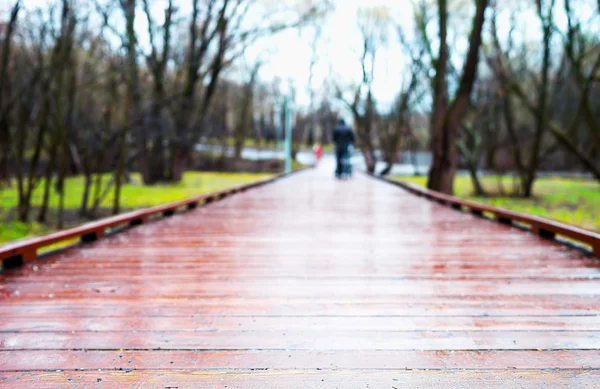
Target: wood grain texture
306	282
76	360
265	378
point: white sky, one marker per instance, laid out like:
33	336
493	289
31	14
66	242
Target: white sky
338	51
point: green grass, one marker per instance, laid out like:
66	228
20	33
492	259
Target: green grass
13	230
568	200
134	195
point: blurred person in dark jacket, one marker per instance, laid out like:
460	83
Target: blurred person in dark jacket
343	137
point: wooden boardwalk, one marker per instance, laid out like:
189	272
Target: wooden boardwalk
306	283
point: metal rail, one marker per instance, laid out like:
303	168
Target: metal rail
545	228
17	253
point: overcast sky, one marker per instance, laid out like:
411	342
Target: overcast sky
338	51
287	55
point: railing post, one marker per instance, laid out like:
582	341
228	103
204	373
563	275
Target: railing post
477	212
546	234
92	236
138	222
19	258
503	220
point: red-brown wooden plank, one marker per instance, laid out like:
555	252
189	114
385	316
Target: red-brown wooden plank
538	224
27	248
287	359
307	340
308	282
298	323
318	379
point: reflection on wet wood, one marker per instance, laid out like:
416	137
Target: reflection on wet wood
307	282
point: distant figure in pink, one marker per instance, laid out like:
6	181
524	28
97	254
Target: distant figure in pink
318	150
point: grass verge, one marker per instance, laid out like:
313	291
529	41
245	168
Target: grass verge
134	195
569	200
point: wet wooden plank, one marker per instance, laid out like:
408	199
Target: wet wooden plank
527	379
60	323
350	271
48	306
271	272
289	359
538	225
306	340
306	288
26	249
308	282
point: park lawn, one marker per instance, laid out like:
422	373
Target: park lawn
573	201
134	195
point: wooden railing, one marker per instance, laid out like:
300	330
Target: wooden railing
22	251
545	228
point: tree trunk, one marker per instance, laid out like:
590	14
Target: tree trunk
513	137
24	119
443	168
62	172
439	146
364	130
179	158
370	159
32	179
23	211
132	102
386	171
364	143
66	66
5	136
491	135
4	151
42	215
155	170
542	103
587	162
22	132
85	198
479	191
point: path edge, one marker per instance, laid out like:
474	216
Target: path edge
17	253
545	228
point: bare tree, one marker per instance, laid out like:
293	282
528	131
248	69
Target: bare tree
582	59
577	67
373	24
478	125
65	90
26	122
245	117
6	98
446	122
396	130
153	162
221	28
133	98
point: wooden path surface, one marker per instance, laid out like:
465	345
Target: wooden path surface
306	283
